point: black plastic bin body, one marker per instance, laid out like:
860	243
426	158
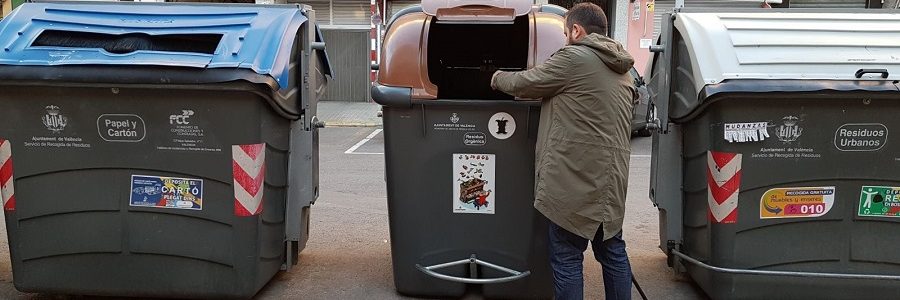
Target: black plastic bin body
768	236
767	173
460	156
138	176
425	231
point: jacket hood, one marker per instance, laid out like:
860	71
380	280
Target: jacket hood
611	52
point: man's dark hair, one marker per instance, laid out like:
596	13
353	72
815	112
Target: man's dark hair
588	15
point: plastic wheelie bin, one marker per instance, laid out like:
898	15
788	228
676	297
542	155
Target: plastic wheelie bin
772	165
161	150
460	156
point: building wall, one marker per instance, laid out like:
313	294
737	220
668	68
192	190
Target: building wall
5	8
348	50
620	33
640	28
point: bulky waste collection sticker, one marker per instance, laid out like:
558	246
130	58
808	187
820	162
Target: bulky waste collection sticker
166	192
799	202
879	201
473	183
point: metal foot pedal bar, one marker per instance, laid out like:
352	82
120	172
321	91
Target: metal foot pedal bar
784	273
473	263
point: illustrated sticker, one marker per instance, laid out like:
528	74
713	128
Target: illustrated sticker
166	192
879	201
799	202
746	132
474	183
502	125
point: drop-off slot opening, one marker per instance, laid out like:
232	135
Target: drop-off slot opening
131	42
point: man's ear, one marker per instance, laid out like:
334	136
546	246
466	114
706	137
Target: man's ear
579	28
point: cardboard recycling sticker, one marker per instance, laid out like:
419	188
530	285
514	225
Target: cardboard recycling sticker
801	202
879	201
166	192
474	183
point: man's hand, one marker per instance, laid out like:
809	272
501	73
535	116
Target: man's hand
494	80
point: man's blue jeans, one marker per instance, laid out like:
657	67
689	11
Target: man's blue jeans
567	260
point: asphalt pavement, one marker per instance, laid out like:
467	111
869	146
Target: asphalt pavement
348	255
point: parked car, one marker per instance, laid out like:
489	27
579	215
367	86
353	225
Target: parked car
642	113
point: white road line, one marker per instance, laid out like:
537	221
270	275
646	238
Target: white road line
363	142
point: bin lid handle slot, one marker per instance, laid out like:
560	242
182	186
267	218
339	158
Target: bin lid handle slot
479	13
884	72
477	10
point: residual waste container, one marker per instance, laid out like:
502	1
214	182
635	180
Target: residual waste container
161	150
460	156
772	169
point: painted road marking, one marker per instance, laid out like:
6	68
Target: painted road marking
352	150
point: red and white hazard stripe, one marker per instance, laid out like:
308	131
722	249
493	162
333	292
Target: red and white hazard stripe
7	186
249	168
723	176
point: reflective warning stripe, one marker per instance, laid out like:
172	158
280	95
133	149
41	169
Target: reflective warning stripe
249	170
7	188
723	178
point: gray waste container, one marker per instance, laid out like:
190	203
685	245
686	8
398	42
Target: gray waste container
772	168
159	150
459	156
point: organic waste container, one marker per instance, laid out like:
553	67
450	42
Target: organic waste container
161	150
771	169
460	156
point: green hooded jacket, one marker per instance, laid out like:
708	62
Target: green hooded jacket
583	142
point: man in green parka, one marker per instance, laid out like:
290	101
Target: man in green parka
582	150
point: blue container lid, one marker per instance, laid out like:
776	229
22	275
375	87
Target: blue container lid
195	35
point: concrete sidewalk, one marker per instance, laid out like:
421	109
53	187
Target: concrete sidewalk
349	114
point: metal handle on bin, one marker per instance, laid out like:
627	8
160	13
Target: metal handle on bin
317	45
316	123
884	72
784	273
473	272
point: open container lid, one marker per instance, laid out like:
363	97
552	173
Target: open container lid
449	11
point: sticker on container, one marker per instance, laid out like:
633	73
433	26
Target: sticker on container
474	139
799	202
474	183
879	201
58	134
166	192
121	128
860	137
723	178
502	125
746	132
187	132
